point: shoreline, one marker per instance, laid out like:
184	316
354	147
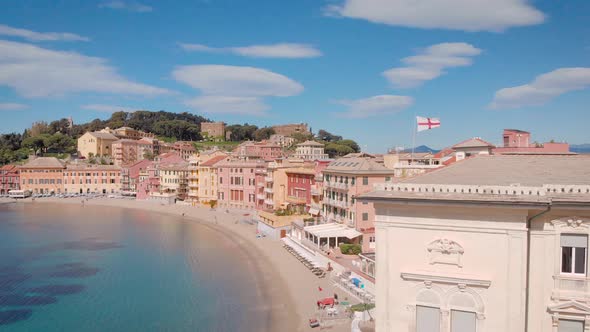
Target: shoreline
289	288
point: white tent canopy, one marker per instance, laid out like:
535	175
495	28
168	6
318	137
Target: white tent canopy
333	230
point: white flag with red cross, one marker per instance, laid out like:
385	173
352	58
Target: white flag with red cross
427	123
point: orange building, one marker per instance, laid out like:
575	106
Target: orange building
42	175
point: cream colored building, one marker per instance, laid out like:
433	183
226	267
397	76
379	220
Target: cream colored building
174	179
193	178
488	244
310	150
96	144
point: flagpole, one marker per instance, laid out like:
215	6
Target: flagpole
413	139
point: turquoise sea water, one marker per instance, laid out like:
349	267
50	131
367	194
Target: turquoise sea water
74	268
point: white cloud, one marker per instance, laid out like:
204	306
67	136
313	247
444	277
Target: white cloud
34	36
228	104
12	106
430	64
543	88
467	15
234	89
130	6
280	50
376	105
38	72
108	108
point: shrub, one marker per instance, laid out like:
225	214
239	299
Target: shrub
350	249
362	307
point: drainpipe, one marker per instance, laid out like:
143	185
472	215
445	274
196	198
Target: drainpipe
528	263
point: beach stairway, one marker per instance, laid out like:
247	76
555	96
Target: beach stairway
305	258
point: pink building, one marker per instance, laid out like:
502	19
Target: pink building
130	175
148	181
182	148
263	150
237	183
9	179
125	152
519	142
344	179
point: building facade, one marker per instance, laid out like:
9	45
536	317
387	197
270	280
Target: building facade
344	180
213	129
237	183
94	144
484	246
9	179
290	129
310	150
96	179
42	175
208	181
174	179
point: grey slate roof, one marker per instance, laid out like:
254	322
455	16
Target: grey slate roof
500	170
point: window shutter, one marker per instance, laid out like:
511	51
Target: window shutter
462	321
427	319
574	240
570	326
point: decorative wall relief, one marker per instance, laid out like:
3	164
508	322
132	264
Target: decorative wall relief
445	251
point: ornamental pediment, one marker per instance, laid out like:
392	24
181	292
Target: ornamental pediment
571	307
571	223
445	251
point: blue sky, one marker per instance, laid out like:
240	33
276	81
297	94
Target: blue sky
360	68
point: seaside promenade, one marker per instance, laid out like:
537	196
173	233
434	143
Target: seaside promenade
291	290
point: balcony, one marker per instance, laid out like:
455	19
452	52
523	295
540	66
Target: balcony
260	184
268	190
268	179
269	202
296	200
260	196
338	185
571	288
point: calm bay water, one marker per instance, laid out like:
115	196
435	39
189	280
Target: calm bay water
74	268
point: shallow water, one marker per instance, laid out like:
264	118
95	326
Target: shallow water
74	268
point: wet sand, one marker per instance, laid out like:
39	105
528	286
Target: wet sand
289	287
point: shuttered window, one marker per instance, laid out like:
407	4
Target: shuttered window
570	326
462	321
427	319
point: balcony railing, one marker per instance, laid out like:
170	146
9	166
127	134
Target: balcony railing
294	199
261	196
268	190
571	288
268	179
269	202
338	185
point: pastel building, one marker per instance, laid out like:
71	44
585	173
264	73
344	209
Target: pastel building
310	150
208	179
130	175
263	150
344	180
125	152
193	178
174	179
237	183
42	175
9	179
491	243
87	178
96	143
519	142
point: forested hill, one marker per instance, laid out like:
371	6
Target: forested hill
181	126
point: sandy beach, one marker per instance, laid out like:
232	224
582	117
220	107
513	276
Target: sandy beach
291	289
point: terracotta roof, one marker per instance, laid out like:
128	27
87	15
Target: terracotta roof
8	167
44	162
300	170
473	143
310	143
213	161
102	135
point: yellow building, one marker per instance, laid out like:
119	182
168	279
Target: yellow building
95	143
174	179
208	179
